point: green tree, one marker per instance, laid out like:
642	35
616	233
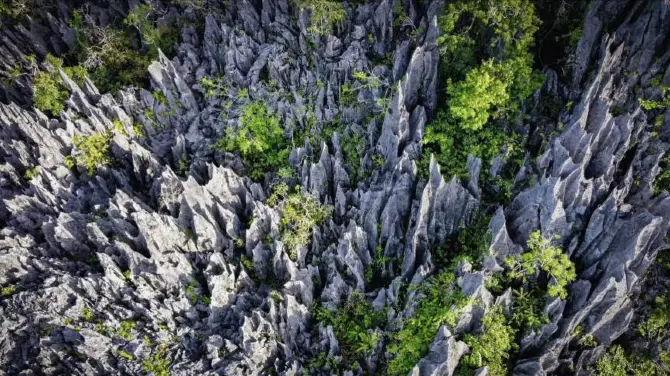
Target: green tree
491	348
325	14
259	140
92	151
542	255
472	100
442	304
300	213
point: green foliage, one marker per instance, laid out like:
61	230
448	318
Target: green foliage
92	151
301	213
353	147
654	327
119	128
152	35
542	255
157	363
48	92
15	9
451	145
126	329
471	100
325	15
442	304
528	309
491	348
8	290
192	291
485	58
353	325
87	314
109	52
650	105
617	363
259	140
126	355
31	173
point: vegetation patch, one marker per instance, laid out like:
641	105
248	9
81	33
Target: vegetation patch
441	304
301	213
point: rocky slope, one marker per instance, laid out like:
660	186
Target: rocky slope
190	259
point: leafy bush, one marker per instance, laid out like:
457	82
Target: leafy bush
471	100
300	214
654	327
325	14
108	52
48	92
8	290
92	151
15	9
485	59
542	255
441	304
528	309
492	347
87	314
353	325
259	140
156	363
126	329
31	173
126	355
617	363
451	145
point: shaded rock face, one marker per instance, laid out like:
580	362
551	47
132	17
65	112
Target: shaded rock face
193	259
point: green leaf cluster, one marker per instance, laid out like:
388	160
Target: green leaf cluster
353	325
259	140
91	151
126	329
157	363
487	65
442	304
325	15
301	213
492	347
543	256
654	327
617	363
471	100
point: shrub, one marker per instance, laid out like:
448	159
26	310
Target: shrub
471	100
325	14
654	326
49	91
492	347
542	255
31	173
301	213
156	363
126	355
87	314
259	140
441	304
353	324
92	151
451	145
125	330
49	95
8	290
617	363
